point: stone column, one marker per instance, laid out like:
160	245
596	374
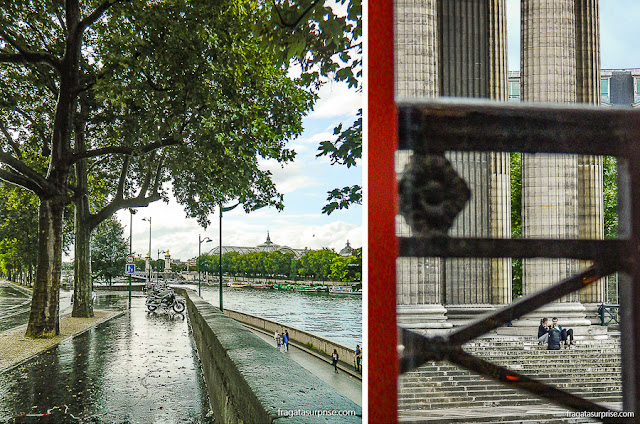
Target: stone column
499	163
418	279
590	196
550	182
167	262
473	64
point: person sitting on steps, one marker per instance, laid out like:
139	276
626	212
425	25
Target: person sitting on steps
543	331
565	335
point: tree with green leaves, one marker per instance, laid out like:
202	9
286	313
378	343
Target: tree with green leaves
166	92
109	249
325	41
18	236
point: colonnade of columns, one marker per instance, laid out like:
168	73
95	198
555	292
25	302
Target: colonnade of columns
458	48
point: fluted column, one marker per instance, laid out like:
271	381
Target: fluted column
419	296
463	72
499	163
590	197
549	182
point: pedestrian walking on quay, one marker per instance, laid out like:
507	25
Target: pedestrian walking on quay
276	336
285	339
358	357
334	358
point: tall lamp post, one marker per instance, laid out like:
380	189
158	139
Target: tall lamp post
200	241
222	209
158	272
149	277
131	212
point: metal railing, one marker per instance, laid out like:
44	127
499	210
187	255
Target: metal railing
432	127
609	314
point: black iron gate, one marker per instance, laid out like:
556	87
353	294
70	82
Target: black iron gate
431	128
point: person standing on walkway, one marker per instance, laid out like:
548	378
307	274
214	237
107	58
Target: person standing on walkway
285	339
358	356
276	336
334	360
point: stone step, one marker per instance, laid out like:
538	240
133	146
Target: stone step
530	419
490	396
446	389
584	375
556	367
480	401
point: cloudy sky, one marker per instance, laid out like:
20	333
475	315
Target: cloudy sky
304	183
619	32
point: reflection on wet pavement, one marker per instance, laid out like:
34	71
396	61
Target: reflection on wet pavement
139	368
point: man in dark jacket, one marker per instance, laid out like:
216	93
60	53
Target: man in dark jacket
565	335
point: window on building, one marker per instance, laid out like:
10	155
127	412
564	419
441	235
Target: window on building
636	87
514	90
604	87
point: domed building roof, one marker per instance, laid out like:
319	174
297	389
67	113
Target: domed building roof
347	250
267	246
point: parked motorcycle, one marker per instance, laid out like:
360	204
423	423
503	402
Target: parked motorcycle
165	298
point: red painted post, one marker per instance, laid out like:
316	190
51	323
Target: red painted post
382	198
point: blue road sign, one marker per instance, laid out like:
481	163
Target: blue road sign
130	268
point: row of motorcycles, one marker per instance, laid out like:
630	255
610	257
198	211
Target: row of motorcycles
159	295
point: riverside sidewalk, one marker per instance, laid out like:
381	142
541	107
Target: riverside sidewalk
136	367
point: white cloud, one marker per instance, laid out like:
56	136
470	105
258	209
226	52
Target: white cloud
292	177
336	99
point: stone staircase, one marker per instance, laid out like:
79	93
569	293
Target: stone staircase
441	392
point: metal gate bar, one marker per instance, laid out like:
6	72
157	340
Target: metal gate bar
436	126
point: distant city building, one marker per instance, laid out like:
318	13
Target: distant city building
618	87
347	250
267	246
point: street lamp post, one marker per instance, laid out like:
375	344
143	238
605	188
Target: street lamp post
222	209
200	241
158	272
149	277
131	212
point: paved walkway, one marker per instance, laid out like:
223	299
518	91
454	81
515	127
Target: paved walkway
136	368
344	383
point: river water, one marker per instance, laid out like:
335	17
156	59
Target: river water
336	317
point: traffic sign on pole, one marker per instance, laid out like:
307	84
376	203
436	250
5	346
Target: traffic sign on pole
130	259
130	268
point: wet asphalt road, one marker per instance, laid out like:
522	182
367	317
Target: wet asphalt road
138	368
15	305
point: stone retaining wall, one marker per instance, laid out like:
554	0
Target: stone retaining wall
248	383
309	340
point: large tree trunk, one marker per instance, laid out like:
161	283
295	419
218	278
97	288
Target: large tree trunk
83	283
44	320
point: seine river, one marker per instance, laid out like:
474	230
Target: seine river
337	317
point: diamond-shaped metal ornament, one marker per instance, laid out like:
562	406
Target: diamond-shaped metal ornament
432	194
